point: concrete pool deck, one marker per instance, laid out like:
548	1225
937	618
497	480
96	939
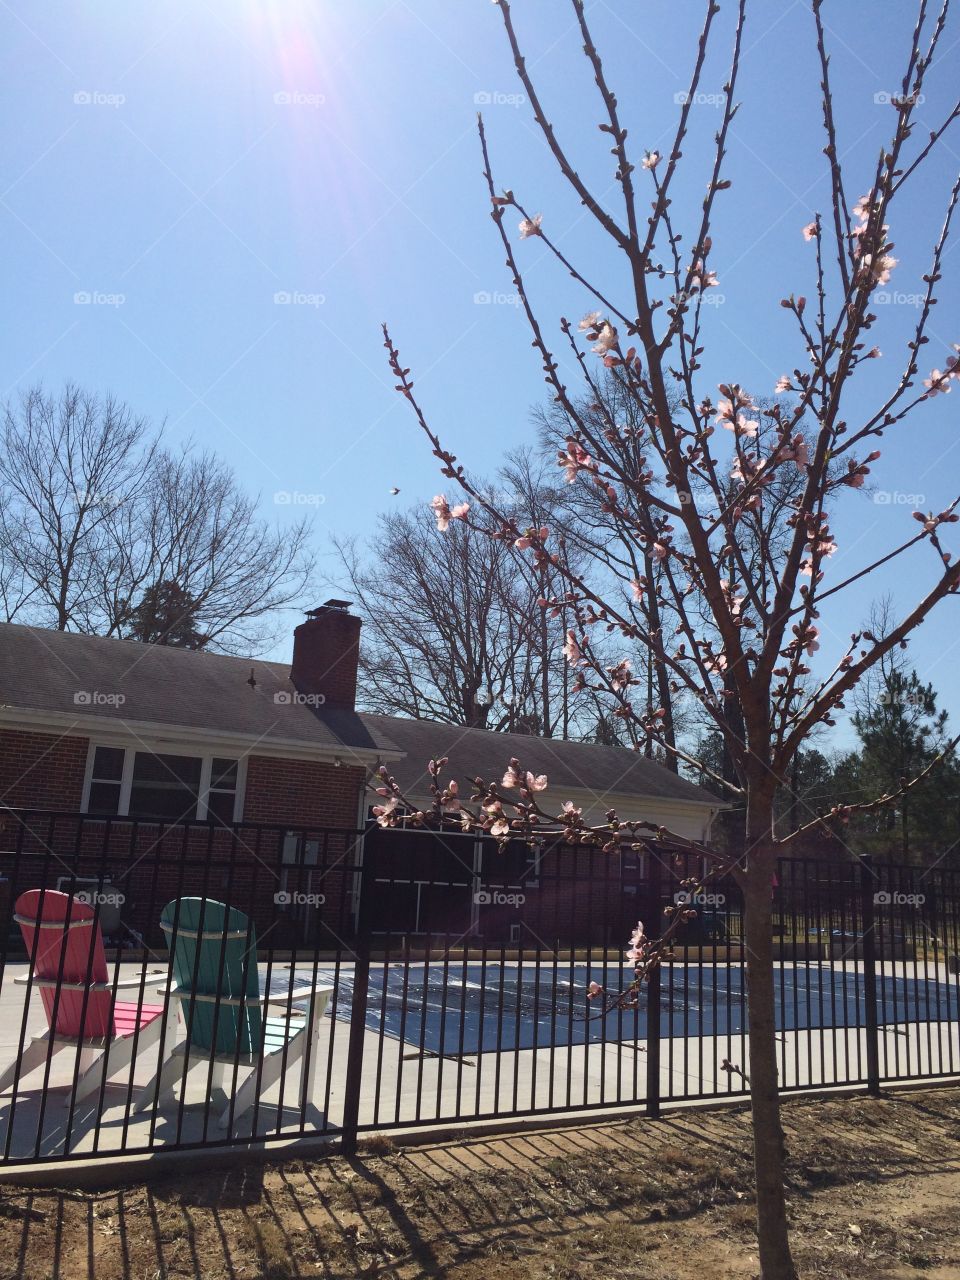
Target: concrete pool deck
426	1089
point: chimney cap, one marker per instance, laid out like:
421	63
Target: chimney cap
329	604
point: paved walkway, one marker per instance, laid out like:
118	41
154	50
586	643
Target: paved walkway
402	1087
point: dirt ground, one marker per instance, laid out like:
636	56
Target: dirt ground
874	1188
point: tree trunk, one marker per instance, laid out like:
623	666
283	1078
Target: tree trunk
776	1262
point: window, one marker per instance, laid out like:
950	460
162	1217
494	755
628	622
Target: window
222	792
163	786
106	780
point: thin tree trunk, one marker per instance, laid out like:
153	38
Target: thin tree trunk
776	1262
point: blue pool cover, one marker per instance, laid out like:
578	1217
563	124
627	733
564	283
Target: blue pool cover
475	1008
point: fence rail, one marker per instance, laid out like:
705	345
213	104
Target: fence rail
187	985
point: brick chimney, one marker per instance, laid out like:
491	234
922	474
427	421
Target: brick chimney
326	652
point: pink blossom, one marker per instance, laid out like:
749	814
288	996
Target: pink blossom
594	990
451	798
501	827
590	321
536	783
620	675
526	540
702	277
512	776
384	812
660	551
570	810
796	451
810	231
531	226
606	339
650	160
445	513
575	460
571	650
783	384
636	586
938	383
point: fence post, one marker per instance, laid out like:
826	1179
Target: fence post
653	925
868	884
358	1006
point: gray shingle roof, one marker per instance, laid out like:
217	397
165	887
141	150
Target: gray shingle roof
46	670
568	765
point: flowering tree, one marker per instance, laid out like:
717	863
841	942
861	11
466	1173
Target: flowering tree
742	596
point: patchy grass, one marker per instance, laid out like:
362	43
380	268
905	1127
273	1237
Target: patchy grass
874	1185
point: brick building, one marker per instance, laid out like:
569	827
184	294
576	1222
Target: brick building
166	758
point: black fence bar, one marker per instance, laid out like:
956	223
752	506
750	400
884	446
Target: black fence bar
189	985
653	994
868	892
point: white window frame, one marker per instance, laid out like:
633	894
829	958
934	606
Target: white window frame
205	756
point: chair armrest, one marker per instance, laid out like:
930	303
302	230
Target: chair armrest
140	980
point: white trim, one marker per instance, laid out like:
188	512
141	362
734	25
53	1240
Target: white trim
113	732
145	747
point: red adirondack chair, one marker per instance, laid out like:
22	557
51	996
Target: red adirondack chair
70	971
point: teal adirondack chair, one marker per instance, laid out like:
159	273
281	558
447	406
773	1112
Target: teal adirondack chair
215	981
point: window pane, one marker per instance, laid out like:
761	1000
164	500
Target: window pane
158	804
223	774
108	764
167	770
220	806
104	797
165	787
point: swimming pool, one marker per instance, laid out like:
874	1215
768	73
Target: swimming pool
481	1008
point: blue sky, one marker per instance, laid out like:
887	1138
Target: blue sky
185	162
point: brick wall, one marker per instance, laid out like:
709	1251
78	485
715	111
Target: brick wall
302	792
41	770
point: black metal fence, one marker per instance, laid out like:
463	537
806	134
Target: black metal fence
189	985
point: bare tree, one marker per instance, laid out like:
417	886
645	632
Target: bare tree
67	463
95	515
756	650
453	631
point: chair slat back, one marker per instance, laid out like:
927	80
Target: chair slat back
214	956
69	953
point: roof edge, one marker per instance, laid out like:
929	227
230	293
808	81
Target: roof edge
249	744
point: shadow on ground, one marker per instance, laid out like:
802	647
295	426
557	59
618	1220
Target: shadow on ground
873	1188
